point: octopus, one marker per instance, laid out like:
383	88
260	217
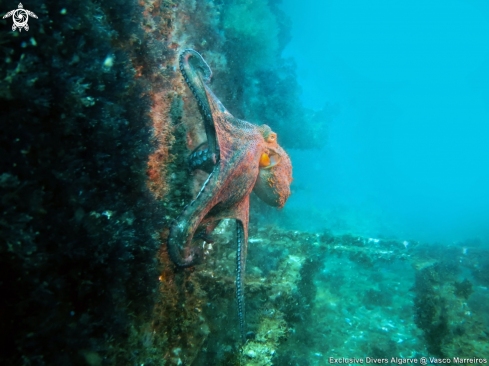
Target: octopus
239	157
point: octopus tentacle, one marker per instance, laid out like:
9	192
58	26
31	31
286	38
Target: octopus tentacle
183	228
240	273
197	74
201	159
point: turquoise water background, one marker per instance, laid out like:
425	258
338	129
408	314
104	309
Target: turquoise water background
409	146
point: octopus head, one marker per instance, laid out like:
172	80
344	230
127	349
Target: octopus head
275	171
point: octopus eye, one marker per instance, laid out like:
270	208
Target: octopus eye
272	137
264	160
269	161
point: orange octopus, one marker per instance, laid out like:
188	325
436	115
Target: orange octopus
240	158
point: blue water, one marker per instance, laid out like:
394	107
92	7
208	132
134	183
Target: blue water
409	145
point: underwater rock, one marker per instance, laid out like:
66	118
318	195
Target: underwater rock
463	289
450	327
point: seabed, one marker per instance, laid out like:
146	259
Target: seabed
310	297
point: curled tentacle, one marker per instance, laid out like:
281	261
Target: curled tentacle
197	73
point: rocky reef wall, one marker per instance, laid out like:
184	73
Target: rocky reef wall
78	223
